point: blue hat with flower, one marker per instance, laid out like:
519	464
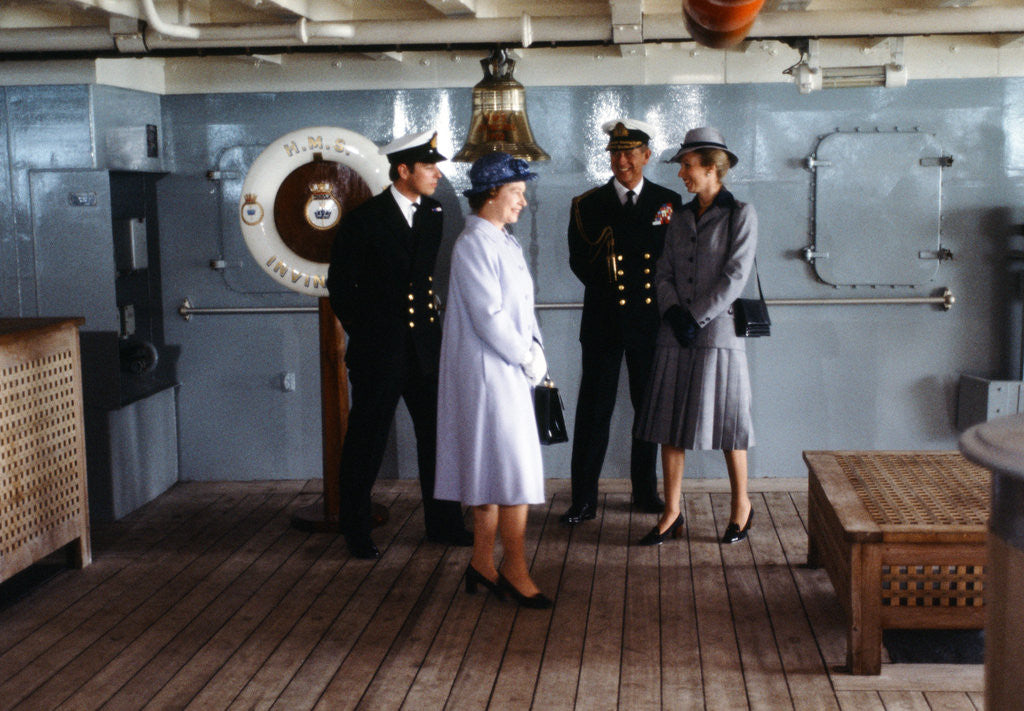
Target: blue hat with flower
496	169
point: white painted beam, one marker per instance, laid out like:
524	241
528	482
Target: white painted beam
299	8
627	21
453	8
125	8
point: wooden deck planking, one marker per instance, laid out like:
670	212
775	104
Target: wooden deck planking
721	665
640	679
600	668
516	681
208	599
323	660
559	675
246	660
357	671
172	616
682	686
266	685
238	625
409	651
56	611
269	552
130	604
759	650
121	545
805	669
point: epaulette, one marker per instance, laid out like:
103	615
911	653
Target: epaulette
589	192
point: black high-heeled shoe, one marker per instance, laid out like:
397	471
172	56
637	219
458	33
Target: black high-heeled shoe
655	537
540	601
733	532
474	577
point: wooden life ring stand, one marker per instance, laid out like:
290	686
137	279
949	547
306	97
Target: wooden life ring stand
295	193
293	197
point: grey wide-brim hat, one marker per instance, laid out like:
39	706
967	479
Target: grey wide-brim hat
703	137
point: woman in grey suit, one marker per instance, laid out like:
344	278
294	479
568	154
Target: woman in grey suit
698	396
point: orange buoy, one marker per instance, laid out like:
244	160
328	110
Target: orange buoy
715	40
723	15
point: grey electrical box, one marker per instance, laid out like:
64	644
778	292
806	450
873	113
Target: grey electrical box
982	400
130	244
133	148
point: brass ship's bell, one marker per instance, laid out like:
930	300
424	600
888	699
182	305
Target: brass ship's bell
499	120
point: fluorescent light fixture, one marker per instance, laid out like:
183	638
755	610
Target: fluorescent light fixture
810	76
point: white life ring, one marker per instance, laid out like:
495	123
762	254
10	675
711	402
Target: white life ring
259	191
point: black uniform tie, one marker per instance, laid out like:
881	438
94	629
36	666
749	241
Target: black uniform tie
630	199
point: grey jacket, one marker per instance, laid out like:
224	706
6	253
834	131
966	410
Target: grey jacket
704	269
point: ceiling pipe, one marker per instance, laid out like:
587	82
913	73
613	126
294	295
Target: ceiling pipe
77	39
860	23
510	31
449	32
166	28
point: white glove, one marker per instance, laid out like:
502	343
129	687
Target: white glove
535	366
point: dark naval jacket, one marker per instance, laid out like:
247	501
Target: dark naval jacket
381	283
613	250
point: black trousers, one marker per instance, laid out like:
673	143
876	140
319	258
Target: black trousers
375	395
599	383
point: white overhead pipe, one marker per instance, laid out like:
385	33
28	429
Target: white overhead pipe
656	27
516	31
855	23
165	28
512	30
77	39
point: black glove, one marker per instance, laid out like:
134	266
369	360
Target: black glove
684	326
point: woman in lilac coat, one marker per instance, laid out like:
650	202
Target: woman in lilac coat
488	450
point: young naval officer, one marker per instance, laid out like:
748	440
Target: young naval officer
616	232
381	289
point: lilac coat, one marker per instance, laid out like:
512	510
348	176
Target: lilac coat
488	451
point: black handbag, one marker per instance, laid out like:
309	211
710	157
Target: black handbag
547	406
751	315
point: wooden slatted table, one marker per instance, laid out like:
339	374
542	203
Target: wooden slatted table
903	538
44	502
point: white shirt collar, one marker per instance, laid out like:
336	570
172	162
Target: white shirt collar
407	206
621	189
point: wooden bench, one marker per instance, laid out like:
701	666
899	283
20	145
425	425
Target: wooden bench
903	537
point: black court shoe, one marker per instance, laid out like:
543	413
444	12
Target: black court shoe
733	532
578	513
655	537
540	601
474	577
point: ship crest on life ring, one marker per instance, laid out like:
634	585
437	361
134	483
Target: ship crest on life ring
252	211
322	209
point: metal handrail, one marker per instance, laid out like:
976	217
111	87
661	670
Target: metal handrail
945	300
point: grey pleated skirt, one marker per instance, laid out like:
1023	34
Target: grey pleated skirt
697	398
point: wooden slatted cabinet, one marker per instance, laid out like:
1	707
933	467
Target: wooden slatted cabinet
43	490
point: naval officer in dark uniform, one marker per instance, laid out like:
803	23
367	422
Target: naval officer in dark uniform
616	232
381	289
